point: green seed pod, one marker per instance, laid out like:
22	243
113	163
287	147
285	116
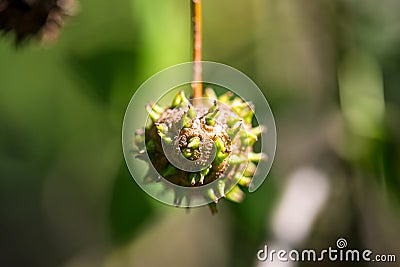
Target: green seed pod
215	136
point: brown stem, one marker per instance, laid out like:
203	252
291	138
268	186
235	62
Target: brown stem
197	48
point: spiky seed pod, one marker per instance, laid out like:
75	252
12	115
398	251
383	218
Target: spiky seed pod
219	138
34	18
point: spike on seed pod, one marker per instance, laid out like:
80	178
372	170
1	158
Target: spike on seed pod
157	108
161	127
153	115
242	180
221	188
179	99
232	121
203	174
236	101
256	157
222	152
248	118
257	131
248	138
245	181
210	93
234	131
225	98
219	144
191	112
165	138
194	142
187	153
247	114
239	107
237	159
213	107
243	109
194	178
221	156
250	169
210	118
186	121
212	113
212	196
235	194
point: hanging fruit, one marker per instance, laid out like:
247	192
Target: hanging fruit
215	135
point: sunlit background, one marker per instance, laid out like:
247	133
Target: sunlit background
330	71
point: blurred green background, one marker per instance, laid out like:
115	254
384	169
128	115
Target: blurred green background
330	71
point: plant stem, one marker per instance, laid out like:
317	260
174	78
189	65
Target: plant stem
197	48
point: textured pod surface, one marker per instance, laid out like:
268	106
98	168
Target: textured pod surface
203	169
207	144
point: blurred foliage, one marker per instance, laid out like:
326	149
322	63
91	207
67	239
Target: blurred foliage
330	70
129	208
101	69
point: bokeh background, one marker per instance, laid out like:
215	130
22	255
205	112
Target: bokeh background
330	71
